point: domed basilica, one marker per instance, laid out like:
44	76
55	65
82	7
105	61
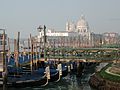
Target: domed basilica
80	27
76	35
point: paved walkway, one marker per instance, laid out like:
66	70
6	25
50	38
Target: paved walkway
98	68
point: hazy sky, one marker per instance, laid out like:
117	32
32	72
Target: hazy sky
26	15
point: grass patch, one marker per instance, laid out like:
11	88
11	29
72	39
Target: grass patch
108	76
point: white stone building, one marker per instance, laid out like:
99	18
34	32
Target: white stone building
110	38
76	34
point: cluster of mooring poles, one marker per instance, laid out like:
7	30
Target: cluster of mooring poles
32	67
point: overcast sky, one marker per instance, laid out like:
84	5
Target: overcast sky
26	15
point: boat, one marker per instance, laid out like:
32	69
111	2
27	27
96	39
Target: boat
53	71
57	74
22	76
64	70
54	75
24	79
15	73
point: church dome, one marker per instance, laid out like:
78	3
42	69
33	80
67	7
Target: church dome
82	23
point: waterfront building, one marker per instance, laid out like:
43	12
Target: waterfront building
70	27
75	35
62	38
82	28
1	49
111	38
1	41
78	35
97	40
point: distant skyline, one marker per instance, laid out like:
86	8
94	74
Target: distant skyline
26	15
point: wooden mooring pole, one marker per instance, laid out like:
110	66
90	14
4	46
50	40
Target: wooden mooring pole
17	58
31	61
28	48
79	69
15	52
45	40
9	49
4	74
36	55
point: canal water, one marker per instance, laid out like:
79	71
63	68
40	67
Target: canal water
70	82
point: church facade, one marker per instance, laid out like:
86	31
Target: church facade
76	35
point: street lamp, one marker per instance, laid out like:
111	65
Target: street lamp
43	37
40	28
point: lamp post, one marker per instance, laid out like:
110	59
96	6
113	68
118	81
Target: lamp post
40	28
4	74
40	39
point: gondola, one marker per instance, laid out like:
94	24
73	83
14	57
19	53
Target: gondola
25	79
54	75
64	70
54	72
19	77
57	70
37	78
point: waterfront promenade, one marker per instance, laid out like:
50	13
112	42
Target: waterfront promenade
105	78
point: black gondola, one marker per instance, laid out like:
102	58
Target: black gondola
54	75
64	70
26	79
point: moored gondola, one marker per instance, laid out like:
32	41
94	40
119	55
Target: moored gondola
26	79
64	70
54	75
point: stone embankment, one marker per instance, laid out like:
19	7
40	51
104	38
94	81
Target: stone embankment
100	83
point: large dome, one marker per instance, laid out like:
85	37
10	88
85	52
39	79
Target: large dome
82	22
82	25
